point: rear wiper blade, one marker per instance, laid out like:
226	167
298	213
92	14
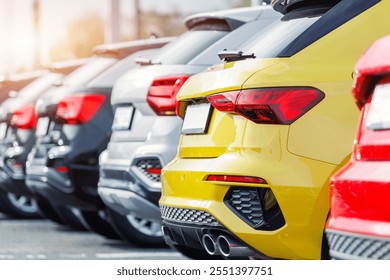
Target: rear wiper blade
145	61
229	56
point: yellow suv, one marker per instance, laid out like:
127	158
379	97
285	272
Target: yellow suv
264	131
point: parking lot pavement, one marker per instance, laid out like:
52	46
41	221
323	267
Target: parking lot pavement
43	239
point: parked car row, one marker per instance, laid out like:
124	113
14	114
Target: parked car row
17	135
222	142
262	136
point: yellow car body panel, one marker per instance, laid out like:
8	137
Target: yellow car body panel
296	182
295	160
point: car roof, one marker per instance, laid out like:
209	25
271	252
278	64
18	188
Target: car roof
232	17
67	66
20	76
122	49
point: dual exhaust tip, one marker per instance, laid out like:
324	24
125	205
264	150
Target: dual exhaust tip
225	246
218	245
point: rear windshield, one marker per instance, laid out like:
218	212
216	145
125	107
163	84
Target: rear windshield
187	46
108	77
235	39
93	67
302	27
272	41
32	91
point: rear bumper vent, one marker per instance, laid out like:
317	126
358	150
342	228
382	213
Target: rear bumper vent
255	206
150	167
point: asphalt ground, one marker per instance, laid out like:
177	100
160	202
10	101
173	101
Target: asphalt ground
46	240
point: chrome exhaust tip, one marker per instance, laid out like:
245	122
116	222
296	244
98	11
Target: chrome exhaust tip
230	247
210	244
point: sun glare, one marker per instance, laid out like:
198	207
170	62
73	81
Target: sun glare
23	47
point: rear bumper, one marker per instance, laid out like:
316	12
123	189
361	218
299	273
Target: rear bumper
60	189
359	223
11	181
126	202
200	230
299	187
352	246
126	191
360	192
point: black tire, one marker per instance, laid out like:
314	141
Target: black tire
325	255
127	229
48	211
20	207
99	224
195	254
71	218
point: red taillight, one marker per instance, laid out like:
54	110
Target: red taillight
78	109
25	117
374	62
268	106
236	179
162	94
224	102
62	169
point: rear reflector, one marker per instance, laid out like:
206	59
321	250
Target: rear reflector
62	169
79	109
153	170
236	179
25	117
162	94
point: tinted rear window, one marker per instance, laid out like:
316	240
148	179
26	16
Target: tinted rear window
32	91
302	27
187	46
108	77
88	71
233	40
271	42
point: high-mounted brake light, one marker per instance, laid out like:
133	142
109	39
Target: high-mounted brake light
236	179
162	94
79	109
268	105
25	117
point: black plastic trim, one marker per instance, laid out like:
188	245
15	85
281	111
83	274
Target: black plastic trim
273	218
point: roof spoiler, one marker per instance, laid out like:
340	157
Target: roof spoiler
286	6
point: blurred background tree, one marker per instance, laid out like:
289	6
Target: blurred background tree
82	35
37	32
87	31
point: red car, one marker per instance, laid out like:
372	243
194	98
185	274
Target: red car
359	222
